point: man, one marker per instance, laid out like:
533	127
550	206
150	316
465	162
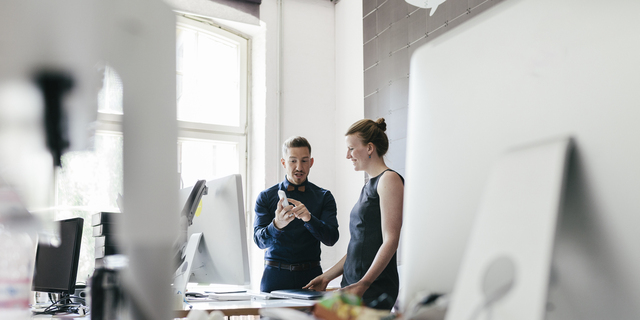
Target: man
291	235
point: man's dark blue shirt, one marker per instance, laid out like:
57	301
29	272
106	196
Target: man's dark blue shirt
299	241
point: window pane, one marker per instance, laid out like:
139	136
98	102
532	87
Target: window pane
110	96
92	178
208	78
207	160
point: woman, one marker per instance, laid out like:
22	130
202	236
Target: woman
369	268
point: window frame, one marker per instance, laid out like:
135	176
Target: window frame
243	45
212	132
111	123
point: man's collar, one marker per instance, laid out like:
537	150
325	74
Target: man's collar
290	186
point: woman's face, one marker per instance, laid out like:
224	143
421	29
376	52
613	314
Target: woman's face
357	152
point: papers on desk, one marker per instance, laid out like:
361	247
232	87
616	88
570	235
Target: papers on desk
236	296
265	296
305	294
230	296
243	295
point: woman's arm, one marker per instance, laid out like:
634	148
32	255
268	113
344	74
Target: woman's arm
320	282
391	192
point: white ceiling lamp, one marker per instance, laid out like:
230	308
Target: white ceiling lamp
433	4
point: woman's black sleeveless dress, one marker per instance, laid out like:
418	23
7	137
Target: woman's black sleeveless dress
365	228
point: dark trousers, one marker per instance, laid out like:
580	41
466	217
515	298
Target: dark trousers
274	278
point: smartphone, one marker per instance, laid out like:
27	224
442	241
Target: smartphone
282	195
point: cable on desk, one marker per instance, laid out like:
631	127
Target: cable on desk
64	305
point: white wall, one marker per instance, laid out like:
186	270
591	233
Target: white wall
349	109
320	81
308	82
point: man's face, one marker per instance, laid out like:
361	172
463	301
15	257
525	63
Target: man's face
298	162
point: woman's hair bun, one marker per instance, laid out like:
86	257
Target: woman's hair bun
381	124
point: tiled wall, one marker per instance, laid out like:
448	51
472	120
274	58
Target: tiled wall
393	30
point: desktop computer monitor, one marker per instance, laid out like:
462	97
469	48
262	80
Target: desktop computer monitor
56	267
520	72
222	257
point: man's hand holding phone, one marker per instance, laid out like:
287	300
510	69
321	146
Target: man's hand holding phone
284	214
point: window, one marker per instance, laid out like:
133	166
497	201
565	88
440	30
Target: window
211	78
211	84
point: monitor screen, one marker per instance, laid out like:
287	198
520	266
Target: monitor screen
56	267
221	220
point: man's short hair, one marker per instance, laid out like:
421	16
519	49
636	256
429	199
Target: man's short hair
294	142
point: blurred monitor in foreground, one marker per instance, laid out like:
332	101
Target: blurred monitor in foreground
521	72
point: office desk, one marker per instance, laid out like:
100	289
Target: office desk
248	307
229	308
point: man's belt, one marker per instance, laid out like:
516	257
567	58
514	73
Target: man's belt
292	267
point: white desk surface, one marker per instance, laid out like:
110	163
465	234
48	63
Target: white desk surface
229	308
246	307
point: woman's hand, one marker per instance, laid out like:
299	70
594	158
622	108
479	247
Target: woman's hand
357	288
319	283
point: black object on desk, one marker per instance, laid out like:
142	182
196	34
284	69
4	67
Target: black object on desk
56	268
106	294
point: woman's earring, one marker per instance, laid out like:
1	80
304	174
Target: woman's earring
369	156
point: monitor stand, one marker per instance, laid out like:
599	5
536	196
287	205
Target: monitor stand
505	269
193	255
